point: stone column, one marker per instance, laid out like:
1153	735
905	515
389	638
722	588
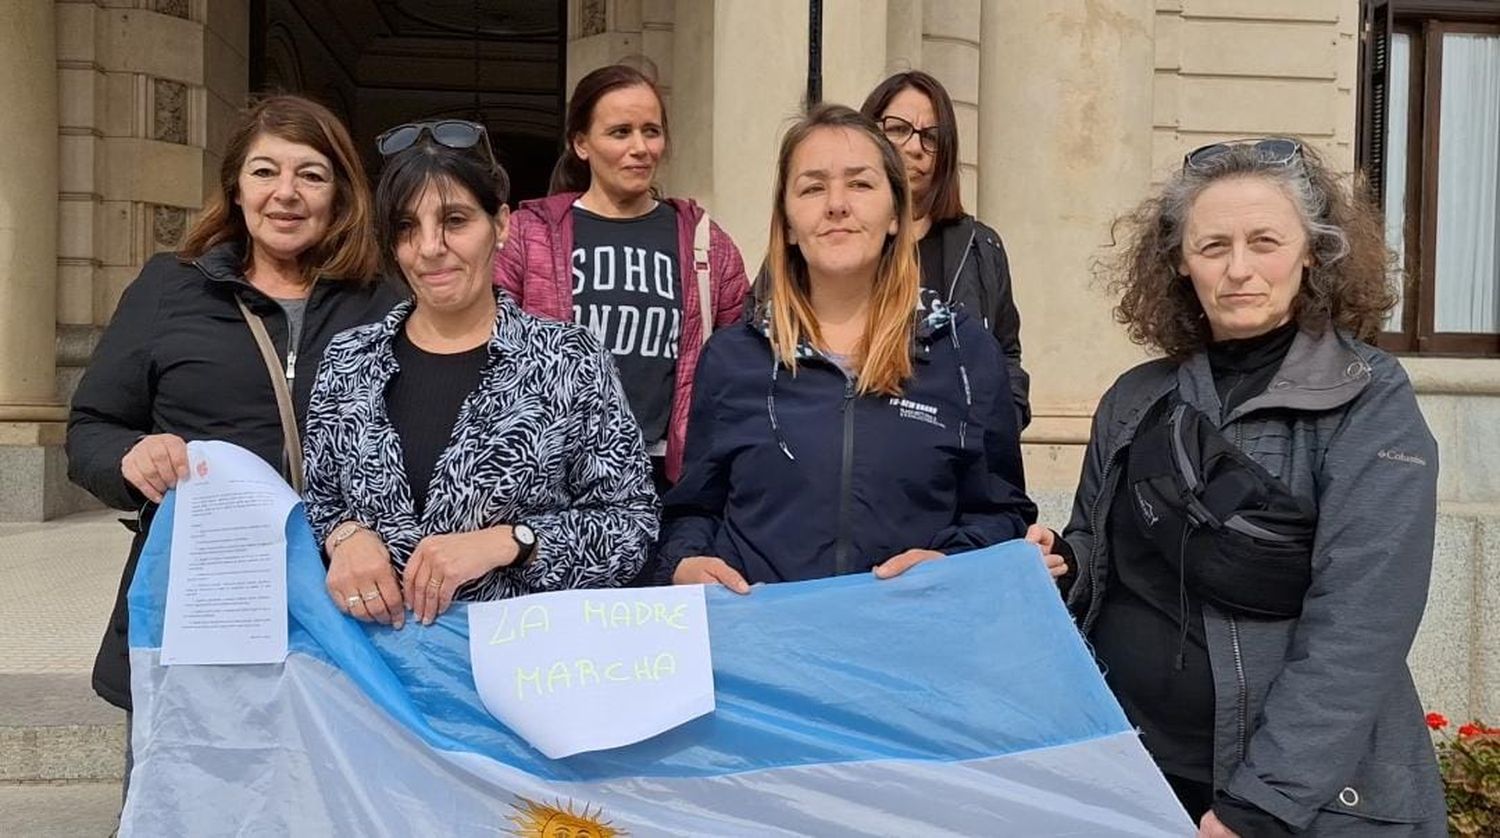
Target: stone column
28	214
741	72
903	35
854	49
1065	139
950	52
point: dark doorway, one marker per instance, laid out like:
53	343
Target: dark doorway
378	63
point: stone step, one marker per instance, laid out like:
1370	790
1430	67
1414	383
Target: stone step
64	810
53	728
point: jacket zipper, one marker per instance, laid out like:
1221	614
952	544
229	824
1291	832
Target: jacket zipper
1239	660
1095	524
846	480
1244	691
291	349
953	285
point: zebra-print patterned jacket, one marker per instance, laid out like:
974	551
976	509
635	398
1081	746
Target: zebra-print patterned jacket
546	439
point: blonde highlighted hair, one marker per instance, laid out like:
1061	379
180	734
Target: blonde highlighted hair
883	357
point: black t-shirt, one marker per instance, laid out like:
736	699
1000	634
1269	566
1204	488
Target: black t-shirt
930	252
1149	618
423	400
626	291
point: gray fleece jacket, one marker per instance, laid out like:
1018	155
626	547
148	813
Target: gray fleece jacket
1317	720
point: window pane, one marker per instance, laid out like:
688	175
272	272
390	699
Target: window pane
1468	211
1398	107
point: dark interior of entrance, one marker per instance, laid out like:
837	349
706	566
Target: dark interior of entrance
377	63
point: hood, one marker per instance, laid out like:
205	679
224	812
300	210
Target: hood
934	320
554	209
224	262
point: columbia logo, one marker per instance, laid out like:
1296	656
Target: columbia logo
1401	457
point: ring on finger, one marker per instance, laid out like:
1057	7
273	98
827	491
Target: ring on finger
434	582
351	600
370	596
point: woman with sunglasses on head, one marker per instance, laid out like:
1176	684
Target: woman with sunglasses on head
962	259
1253	529
284	248
460	448
855	423
650	277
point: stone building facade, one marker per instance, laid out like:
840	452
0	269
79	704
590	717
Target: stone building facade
1068	112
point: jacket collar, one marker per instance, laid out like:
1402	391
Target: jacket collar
555	209
507	337
1321	371
224	262
935	319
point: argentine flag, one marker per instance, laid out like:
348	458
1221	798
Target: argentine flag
956	700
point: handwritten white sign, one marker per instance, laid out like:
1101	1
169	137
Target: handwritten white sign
576	671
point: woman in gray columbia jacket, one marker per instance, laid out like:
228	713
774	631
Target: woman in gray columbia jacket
1260	279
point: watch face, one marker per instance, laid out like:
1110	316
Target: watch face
524	535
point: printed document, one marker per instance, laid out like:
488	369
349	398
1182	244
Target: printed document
226	591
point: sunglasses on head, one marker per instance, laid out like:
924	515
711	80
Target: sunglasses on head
458	134
1274	151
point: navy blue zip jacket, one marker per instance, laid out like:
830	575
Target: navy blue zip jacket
790	477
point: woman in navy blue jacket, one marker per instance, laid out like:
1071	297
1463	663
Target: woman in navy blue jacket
850	423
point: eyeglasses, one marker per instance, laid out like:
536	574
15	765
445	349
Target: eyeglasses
459	134
898	131
1274	151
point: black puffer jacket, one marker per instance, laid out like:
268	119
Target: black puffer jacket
178	358
977	280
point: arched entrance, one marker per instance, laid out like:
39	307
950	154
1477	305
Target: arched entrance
378	63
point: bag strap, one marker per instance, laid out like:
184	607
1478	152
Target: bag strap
291	440
702	269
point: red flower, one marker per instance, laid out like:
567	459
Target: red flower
1437	721
1469	731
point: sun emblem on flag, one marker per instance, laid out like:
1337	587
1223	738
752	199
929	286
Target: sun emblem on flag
540	820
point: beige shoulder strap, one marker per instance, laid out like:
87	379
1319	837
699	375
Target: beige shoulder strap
291	440
701	268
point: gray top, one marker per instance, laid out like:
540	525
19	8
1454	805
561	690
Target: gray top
295	309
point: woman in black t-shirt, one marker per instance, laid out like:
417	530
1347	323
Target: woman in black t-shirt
650	276
461	448
962	259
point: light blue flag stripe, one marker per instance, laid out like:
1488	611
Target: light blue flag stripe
970	657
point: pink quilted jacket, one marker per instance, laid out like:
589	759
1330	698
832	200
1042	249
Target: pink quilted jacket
534	269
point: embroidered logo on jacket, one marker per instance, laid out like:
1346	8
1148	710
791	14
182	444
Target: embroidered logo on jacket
1401	457
908	409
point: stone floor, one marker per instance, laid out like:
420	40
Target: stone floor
52	810
61	746
61	577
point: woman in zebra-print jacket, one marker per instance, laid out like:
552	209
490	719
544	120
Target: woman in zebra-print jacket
460	448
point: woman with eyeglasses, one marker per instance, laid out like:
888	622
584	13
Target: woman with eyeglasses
1253	529
651	277
855	423
962	259
461	448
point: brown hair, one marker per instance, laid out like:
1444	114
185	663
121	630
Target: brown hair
1348	284
571	174
944	200
409	173
348	250
883	358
